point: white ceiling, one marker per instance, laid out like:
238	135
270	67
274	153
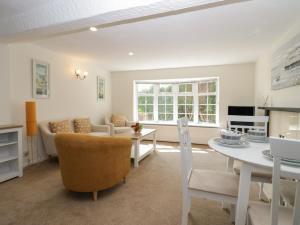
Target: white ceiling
14	7
226	34
33	19
217	34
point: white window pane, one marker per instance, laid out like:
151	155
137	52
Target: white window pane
145	88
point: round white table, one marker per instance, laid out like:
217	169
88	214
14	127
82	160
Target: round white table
250	157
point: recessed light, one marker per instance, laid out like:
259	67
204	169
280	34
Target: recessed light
93	29
130	53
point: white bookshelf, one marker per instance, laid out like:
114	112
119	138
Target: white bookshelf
11	157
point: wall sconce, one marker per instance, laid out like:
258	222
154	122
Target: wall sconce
81	75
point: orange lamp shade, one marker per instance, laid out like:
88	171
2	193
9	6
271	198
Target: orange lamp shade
31	126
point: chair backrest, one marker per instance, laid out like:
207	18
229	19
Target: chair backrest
186	150
89	163
259	123
283	148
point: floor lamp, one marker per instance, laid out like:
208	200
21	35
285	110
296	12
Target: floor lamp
31	129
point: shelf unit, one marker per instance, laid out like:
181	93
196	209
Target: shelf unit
11	157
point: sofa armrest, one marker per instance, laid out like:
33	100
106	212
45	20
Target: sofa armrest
101	128
130	123
48	141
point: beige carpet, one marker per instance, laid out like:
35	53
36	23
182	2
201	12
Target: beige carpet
151	196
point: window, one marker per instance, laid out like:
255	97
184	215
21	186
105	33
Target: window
164	101
145	102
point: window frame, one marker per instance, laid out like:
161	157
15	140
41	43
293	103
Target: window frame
175	94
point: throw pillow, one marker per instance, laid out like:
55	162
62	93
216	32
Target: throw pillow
118	121
60	126
82	125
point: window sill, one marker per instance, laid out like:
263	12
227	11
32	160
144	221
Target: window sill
175	124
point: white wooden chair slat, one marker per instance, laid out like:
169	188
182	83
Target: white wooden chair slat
187	168
283	148
253	119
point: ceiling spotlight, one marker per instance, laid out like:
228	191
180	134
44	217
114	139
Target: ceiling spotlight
93	29
130	53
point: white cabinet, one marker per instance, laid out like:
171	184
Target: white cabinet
11	153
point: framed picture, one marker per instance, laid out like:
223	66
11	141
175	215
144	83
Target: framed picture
100	88
40	79
286	65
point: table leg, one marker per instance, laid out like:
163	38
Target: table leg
296	214
136	152
229	168
154	141
243	195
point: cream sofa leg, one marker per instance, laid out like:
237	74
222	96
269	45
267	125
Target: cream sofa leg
95	195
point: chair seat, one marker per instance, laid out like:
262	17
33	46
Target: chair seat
256	172
214	182
119	130
259	214
288	191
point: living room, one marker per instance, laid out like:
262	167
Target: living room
151	62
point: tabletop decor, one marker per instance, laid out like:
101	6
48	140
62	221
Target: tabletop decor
40	79
286	161
259	136
137	127
229	138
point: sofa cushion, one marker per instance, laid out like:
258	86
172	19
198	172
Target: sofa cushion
60	126
119	130
82	125
118	120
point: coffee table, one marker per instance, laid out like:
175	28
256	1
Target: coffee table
140	151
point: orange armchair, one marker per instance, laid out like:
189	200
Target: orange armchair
90	164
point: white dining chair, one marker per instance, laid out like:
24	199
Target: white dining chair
207	184
259	123
274	214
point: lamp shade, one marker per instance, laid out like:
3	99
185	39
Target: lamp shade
31	126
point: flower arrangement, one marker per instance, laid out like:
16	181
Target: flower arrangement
137	127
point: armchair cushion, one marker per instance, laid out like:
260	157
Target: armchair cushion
118	121
60	126
82	125
119	130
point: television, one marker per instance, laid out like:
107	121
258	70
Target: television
242	111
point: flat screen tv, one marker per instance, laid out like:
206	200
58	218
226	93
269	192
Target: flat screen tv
241	111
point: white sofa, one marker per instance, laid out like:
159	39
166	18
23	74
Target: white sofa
48	136
117	130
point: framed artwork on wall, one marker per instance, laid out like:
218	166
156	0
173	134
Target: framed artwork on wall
100	88
286	65
40	79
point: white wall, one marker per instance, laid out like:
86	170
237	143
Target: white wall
69	97
236	88
5	117
287	97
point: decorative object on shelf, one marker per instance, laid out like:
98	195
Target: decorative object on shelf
31	130
40	79
286	65
81	75
137	127
267	101
100	88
